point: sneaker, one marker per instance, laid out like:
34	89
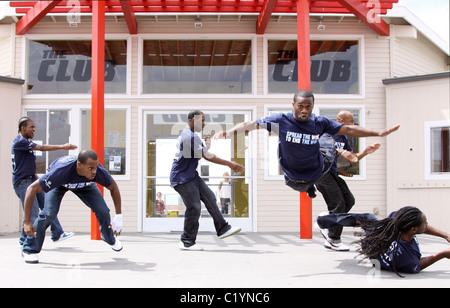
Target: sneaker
336	246
117	246
194	247
232	231
31	258
64	236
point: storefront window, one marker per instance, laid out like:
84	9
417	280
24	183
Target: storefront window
65	67
115	139
334	67
52	127
197	66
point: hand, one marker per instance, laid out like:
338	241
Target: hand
372	148
117	224
350	156
237	167
29	229
68	146
387	131
208	141
221	135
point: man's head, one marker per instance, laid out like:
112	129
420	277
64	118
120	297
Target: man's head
303	105
87	164
27	127
345	117
196	120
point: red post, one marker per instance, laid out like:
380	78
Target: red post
304	82
98	93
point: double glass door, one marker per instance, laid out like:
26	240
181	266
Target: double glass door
163	207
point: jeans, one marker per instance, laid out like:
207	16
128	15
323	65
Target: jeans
343	220
192	193
90	195
38	204
338	197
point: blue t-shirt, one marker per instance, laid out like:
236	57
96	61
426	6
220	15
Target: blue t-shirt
341	143
298	146
190	149
407	259
23	158
63	172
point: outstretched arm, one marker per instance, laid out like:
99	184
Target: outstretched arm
217	160
358	131
240	128
50	147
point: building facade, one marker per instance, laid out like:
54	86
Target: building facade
174	65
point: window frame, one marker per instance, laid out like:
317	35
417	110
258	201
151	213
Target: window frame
428	126
73	37
313	37
75	131
140	76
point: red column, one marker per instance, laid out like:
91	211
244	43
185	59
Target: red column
98	90
304	82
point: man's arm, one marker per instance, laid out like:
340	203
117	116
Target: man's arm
31	192
358	131
117	223
50	147
217	160
436	232
239	128
427	261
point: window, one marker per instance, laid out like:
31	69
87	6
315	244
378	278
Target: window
334	66
52	127
357	170
437	150
64	67
197	66
115	139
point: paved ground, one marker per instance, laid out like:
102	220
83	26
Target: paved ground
247	260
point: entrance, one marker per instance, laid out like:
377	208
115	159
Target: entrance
163	207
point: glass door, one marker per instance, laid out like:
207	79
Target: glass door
163	209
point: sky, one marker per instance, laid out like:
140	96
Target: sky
433	13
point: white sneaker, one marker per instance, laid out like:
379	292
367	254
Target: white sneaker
232	231
117	246
195	247
64	236
31	258
336	246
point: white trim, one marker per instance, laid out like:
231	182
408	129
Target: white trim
361	64
427	135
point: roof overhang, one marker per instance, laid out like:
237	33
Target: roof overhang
368	11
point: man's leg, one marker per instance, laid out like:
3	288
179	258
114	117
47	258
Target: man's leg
343	220
92	197
190	195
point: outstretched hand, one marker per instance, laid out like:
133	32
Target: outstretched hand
387	131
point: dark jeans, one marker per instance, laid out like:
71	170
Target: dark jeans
90	195
192	193
343	220
38	204
338	197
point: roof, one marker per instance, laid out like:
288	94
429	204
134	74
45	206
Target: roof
366	10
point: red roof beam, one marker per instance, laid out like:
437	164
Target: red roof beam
264	16
129	16
34	15
367	15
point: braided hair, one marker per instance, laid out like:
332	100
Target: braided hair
380	234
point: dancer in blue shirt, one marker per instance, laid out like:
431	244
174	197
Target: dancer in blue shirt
24	173
299	151
185	180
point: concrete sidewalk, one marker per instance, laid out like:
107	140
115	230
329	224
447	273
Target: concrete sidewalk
246	260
